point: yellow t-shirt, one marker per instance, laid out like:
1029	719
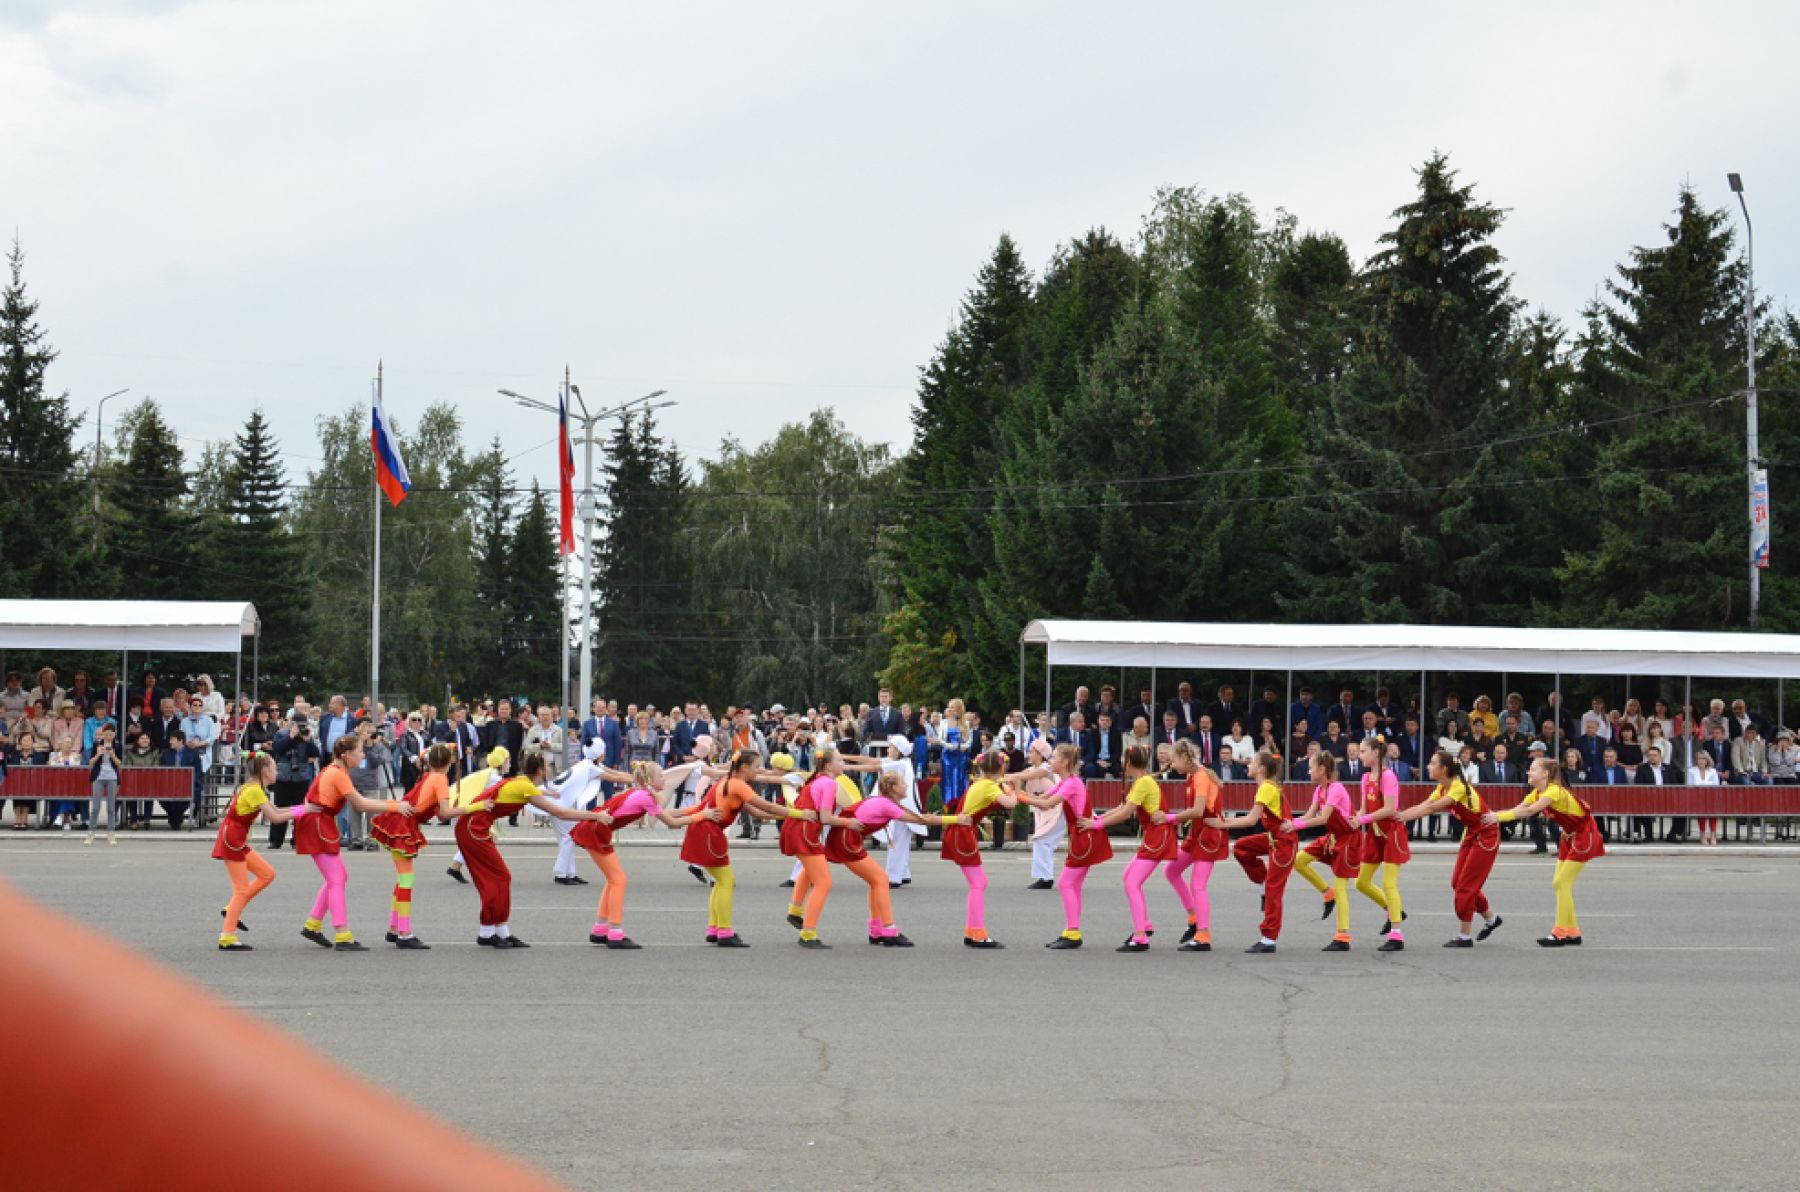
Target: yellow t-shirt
1269	795
514	792
1461	792
1147	794
1561	800
981	795
249	799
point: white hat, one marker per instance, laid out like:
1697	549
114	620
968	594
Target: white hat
901	743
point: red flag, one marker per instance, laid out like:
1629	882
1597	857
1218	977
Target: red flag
565	466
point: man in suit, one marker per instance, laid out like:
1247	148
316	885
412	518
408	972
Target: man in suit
1077	733
883	721
1592	747
1554	711
1102	759
1145	707
1206	739
508	732
1387	713
1109	705
1081	703
462	737
1654	773
164	723
1403	769
688	729
1750	757
1345	714
1170	732
1371	726
1410	742
1719	747
1513	736
1500	770
1186	708
1350	772
112	692
1305	710
1226	709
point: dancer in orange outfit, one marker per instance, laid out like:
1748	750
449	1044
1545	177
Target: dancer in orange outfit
475	837
1480	844
400	834
1279	845
706	844
250	874
1207	844
1581	841
596	836
1330	810
316	835
847	819
962	844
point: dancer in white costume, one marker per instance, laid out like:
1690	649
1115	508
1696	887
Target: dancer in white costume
899	834
578	788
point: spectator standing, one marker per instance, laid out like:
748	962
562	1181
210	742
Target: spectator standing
884	721
200	731
296	753
212	701
1704	773
47	692
1187	709
90	730
643	743
410	749
1345	714
258	733
1655	773
1269	708
103	779
462	737
1145	707
1228	707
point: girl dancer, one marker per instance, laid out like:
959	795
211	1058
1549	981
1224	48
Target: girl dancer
475	835
1279	845
803	840
1088	845
250	874
1580	842
1160	842
1382	844
1480	844
1330	810
596	836
401	836
962	844
844	844
316	835
1206	845
706	844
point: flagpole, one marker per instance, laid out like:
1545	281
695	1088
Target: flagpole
375	574
563	694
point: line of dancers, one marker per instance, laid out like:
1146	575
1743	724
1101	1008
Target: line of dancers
825	820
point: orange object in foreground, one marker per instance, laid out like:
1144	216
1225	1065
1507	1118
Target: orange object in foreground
162	1086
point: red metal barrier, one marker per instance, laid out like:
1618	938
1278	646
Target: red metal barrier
1605	800
71	783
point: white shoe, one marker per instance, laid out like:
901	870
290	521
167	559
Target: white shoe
58	822
66	827
88	839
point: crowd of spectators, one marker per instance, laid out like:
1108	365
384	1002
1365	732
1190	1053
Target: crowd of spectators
107	726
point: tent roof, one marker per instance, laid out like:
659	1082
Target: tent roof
1403	648
198	626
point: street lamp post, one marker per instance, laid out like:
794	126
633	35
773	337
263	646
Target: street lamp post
1752	441
589	422
99	415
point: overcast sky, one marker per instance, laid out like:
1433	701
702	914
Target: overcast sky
766	208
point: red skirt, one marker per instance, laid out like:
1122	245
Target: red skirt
1088	846
1207	844
1339	854
594	836
233	842
1583	844
1391	849
844	846
398	833
706	845
800	838
1160	843
961	846
316	832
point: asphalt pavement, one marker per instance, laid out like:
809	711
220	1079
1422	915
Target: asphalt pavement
1658	1055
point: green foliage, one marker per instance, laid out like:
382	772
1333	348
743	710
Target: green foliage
38	520
252	543
533	603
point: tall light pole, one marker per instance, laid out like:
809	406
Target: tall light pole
99	415
589	422
1758	479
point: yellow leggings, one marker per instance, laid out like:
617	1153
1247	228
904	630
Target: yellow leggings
1564	881
1388	897
1340	895
718	907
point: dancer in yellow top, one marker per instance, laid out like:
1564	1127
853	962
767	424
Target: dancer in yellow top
1580	843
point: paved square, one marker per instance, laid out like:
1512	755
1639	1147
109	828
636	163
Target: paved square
1661	1054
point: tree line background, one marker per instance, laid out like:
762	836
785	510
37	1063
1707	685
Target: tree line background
1224	418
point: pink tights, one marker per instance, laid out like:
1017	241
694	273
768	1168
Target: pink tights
977	912
1192	890
1136	874
1069	883
331	894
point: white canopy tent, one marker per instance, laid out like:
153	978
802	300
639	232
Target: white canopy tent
1403	649
171	626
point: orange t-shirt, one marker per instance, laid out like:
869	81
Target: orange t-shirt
730	796
334	787
435	789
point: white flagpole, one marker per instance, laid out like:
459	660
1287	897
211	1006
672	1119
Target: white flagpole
375	574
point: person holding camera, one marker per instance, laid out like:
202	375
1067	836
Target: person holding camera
296	756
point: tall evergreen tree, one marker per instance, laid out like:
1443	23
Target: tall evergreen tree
494	654
1404	526
634	632
39	552
533	603
254	542
154	537
1671	360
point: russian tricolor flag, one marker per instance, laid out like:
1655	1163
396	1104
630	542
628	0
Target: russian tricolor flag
390	469
565	465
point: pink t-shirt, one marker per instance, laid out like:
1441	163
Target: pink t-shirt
1390	787
876	811
1072	791
637	802
1335	796
819	794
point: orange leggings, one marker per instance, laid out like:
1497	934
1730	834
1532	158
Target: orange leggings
612	894
881	907
811	889
243	888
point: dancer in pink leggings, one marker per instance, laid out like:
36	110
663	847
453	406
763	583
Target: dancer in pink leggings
1088	843
1206	845
316	835
962	843
1161	842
